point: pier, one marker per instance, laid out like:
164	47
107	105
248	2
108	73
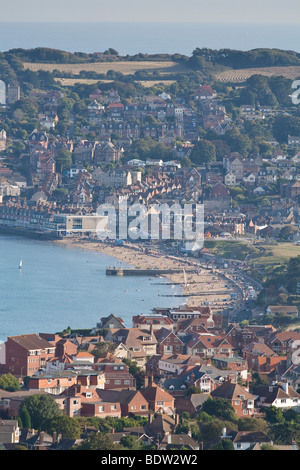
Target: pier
141	272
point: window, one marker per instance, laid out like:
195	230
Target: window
101	409
117	382
113	407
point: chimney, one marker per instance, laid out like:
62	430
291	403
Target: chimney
150	418
285	386
146	381
54	437
224	433
42	437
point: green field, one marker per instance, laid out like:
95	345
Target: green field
262	259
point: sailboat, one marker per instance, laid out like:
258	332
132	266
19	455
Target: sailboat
21	264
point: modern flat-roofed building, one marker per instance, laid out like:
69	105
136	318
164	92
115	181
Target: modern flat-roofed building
70	224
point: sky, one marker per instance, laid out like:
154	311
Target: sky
214	11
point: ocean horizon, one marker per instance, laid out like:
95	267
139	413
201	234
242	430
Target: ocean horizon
148	38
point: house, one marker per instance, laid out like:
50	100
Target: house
80	400
54	383
116	373
219	190
260	357
132	402
208	345
178	441
282	310
140	343
239	337
26	354
161	426
204	92
293	141
245	440
159	400
157	322
283	342
230	179
171	364
234	164
111	322
168	342
9	431
249	179
241	400
281	396
191	404
235	363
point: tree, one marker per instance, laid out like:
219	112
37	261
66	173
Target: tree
224	444
9	383
41	408
131	443
220	408
203	151
25	417
98	441
63	160
64	425
274	415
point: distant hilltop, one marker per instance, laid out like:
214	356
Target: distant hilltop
261	57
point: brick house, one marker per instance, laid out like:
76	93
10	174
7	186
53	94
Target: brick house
26	354
159	400
208	346
168	342
57	383
116	373
282	342
241	400
156	321
254	352
84	401
239	337
132	402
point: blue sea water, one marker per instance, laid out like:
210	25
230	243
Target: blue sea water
132	38
62	286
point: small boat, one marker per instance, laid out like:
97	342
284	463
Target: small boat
21	264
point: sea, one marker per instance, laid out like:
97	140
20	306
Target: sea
148	38
60	286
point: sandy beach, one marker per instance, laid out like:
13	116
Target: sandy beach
201	286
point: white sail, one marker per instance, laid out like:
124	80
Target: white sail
21	264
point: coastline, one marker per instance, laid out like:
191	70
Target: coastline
202	286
